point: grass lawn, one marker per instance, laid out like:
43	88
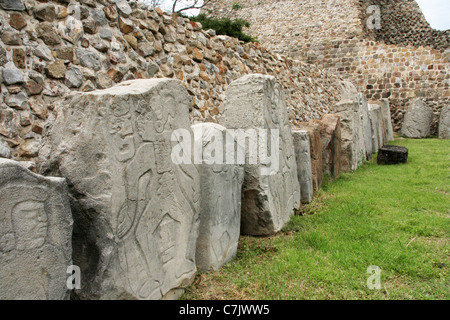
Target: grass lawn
393	217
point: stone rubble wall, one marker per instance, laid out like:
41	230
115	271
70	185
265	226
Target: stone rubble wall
404	60
404	24
51	48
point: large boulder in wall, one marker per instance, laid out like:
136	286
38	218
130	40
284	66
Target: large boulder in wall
135	193
444	123
220	197
35	235
271	191
304	169
417	120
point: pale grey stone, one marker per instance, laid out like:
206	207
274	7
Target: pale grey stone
417	120
35	234
4	150
220	199
18	101
444	123
12	75
353	149
105	33
124	8
367	127
388	130
71	29
43	52
146	48
302	149
269	194
89	59
99	16
135	209
3	55
13	5
152	68
377	126
74	78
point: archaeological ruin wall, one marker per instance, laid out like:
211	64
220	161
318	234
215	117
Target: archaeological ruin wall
49	49
403	60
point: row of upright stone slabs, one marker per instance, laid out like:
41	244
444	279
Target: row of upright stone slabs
136	211
270	191
35	235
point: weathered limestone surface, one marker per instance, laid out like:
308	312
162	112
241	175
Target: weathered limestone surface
388	130
257	102
444	123
220	199
313	129
417	121
377	126
331	144
367	127
351	116
35	234
304	170
135	209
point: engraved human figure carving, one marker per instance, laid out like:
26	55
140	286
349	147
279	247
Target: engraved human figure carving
29	221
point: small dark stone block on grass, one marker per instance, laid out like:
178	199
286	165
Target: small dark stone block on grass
392	155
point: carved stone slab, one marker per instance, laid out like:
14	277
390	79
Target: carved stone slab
35	234
377	126
331	140
313	128
367	127
136	210
220	200
304	168
257	102
388	130
417	120
444	123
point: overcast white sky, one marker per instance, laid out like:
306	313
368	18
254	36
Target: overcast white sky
437	12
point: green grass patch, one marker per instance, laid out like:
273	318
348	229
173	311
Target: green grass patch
394	217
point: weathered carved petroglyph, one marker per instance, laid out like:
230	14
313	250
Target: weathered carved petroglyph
35	234
257	102
349	110
220	201
137	211
417	120
304	169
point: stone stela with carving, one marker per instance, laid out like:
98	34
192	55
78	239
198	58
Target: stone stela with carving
138	211
257	102
35	234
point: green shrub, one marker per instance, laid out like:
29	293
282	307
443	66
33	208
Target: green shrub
225	26
237	6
